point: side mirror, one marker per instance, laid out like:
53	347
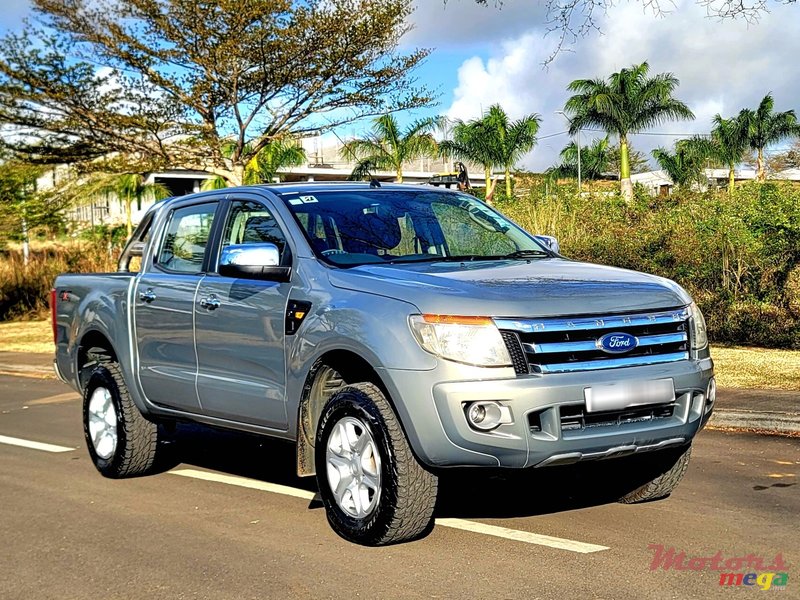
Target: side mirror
550	242
253	261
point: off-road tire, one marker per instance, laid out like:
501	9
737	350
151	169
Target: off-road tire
137	438
671	471
408	492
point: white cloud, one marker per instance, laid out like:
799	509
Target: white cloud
723	66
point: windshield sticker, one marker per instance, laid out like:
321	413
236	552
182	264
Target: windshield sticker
295	201
308	199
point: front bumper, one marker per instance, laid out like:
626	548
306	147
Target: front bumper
431	407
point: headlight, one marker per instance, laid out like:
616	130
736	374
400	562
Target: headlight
698	324
470	340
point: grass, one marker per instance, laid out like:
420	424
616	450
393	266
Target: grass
736	366
756	368
26	336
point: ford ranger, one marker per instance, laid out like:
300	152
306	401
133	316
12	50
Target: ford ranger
391	331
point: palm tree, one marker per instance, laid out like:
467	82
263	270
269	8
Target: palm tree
595	160
766	127
388	148
493	141
131	186
471	142
512	140
684	166
628	102
264	166
727	145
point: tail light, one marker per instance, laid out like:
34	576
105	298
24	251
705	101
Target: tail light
53	314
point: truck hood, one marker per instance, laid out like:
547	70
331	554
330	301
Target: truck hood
514	288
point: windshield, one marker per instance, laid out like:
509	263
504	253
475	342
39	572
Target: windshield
350	228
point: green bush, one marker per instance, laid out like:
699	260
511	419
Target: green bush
739	255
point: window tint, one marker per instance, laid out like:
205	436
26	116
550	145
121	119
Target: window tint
475	235
350	228
186	238
250	222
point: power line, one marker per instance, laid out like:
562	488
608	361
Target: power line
549	135
653	133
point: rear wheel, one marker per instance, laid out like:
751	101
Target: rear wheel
121	442
374	490
670	469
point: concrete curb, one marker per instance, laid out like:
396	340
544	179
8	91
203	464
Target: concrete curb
778	422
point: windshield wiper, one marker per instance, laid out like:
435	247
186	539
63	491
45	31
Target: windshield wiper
519	254
439	258
527	254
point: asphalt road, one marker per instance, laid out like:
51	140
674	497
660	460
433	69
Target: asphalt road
68	533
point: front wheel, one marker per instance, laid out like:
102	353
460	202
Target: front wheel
374	490
669	471
121	442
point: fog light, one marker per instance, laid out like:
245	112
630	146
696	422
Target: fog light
711	394
487	415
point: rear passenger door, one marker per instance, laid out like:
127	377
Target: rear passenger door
239	327
163	307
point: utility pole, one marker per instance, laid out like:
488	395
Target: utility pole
579	160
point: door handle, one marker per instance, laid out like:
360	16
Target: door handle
147	296
210	302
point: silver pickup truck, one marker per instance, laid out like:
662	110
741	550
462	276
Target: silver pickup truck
390	331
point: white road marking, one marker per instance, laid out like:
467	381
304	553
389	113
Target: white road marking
521	536
253	484
464	525
12	441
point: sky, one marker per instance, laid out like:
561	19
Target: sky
484	55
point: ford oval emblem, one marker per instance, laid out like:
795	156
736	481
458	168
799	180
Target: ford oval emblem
617	342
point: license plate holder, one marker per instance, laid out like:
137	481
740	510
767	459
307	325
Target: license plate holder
626	394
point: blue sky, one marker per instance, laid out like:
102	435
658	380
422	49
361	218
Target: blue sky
484	55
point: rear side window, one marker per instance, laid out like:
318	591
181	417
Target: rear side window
186	237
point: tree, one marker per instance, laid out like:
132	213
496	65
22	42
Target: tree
684	165
787	159
637	160
766	127
132	186
595	160
23	206
264	166
471	142
511	139
493	141
168	82
388	148
727	144
628	102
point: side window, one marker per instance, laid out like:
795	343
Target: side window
250	222
186	238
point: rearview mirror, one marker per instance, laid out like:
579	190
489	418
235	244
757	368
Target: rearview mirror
253	261
550	242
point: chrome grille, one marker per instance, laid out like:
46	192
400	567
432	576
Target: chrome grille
567	345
